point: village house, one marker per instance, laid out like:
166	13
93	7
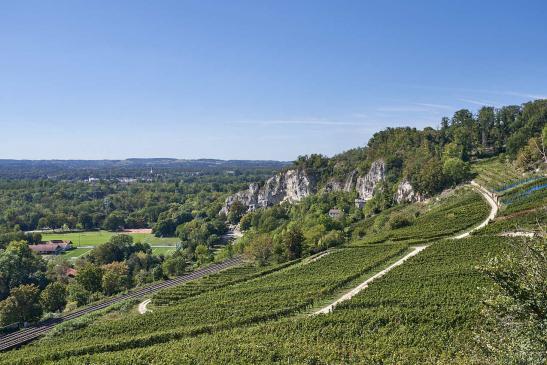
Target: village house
52	247
360	203
335	213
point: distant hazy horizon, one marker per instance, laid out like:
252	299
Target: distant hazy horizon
248	80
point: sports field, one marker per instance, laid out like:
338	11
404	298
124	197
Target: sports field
92	238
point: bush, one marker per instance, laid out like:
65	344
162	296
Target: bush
400	220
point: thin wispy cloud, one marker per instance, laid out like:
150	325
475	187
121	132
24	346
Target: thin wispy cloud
528	95
479	102
434	106
297	122
404	109
415	108
525	95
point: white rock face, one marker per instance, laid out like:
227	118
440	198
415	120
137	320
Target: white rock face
366	184
406	194
347	185
293	185
247	197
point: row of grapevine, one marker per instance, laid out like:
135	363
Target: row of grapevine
220	280
456	213
274	296
423	312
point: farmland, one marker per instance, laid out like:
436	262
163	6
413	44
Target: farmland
441	217
93	238
523	199
434	305
278	294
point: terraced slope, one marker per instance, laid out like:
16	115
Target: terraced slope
424	311
283	293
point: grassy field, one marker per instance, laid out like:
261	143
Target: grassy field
162	250
76	253
79	252
93	238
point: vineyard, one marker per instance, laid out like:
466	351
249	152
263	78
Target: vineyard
424	311
449	215
275	295
497	175
421	312
523	199
214	282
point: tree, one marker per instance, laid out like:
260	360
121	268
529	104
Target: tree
237	209
486	119
293	239
21	306
332	239
90	277
260	249
53	297
515	309
246	221
19	265
452	150
77	294
115	278
175	264
57	268
400	219
118	248
114	221
455	171
428	179
202	254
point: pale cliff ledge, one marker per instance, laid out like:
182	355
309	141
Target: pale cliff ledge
295	184
291	186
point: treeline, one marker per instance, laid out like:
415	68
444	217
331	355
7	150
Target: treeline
151	169
31	286
434	159
112	205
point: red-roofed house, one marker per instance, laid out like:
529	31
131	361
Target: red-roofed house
52	247
71	272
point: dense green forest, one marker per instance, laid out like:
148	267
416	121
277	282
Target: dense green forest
433	159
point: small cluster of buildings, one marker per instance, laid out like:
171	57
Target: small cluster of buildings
52	247
336	213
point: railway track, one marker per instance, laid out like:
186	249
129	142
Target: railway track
26	335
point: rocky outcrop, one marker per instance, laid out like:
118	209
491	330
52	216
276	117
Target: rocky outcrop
247	197
406	194
293	185
346	185
365	185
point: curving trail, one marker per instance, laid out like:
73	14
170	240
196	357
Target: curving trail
329	308
143	306
489	197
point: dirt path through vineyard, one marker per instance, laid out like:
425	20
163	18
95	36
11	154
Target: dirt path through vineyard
488	196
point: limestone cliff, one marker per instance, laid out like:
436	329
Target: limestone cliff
365	185
291	186
406	194
295	184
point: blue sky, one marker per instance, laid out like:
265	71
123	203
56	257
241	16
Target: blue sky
253	79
